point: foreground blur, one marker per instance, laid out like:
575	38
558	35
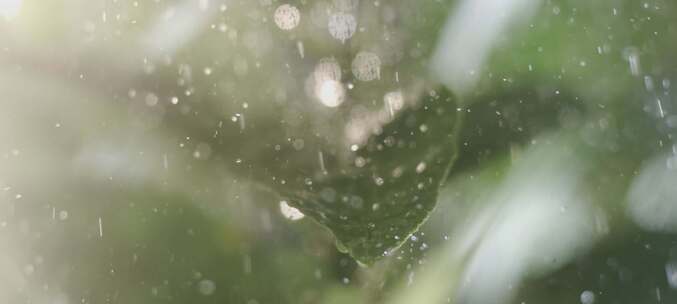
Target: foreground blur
147	149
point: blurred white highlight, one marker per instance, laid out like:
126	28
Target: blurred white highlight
290	212
331	93
10	8
536	221
652	198
176	26
326	79
544	223
474	28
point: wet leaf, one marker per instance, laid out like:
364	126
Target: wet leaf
392	187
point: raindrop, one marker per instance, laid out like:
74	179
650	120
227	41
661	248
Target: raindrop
671	273
631	54
287	17
420	167
397	172
330	93
556	10
202	151
298	144
587	297
327	69
394	101
360	162
290	212
648	83
328	195
206	287
342	26
151	99
366	66
299	46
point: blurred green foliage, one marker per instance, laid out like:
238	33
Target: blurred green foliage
151	175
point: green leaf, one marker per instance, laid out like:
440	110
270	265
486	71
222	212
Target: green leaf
374	206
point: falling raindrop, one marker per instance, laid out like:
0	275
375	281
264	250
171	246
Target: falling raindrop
327	86
366	66
342	26
394	102
631	54
327	69
671	273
